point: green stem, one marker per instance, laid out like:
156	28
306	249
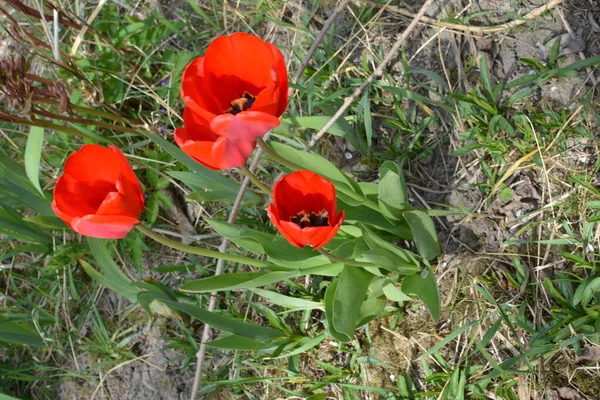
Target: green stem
246	171
265	147
345	261
202	252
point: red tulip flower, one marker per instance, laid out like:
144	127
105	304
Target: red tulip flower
304	209
234	94
98	194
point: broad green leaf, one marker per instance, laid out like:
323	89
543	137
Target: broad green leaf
375	219
276	247
369	310
484	73
321	166
406	94
304	344
13	225
423	230
235	281
6	397
47	221
366	109
341	127
391	261
235	342
33	155
425	287
15	184
391	191
19	332
349	296
287	301
393	293
329	313
377	244
208	189
112	277
227	324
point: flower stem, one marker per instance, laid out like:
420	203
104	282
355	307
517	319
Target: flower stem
345	261
246	171
265	147
200	251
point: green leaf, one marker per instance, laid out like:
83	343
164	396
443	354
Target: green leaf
369	310
349	296
393	293
33	154
341	127
112	277
46	221
423	230
227	324
390	261
404	259
19	332
235	281
6	397
235	342
484	73
391	191
329	312
366	107
425	287
321	166
287	301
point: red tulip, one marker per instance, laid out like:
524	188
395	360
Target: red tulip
304	209
236	93
98	194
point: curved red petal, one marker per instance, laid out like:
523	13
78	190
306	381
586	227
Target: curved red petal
195	90
247	125
332	232
104	226
239	55
92	163
291	235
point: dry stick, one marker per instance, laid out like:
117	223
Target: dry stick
200	355
319	39
474	28
378	72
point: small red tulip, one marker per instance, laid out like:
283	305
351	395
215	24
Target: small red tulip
98	194
304	209
236	92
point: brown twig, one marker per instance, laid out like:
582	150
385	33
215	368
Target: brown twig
473	28
378	71
319	39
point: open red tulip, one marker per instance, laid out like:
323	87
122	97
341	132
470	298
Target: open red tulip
237	92
304	209
98	194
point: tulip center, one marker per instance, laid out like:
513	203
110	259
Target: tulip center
303	219
240	104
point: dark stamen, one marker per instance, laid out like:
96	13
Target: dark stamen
304	220
240	104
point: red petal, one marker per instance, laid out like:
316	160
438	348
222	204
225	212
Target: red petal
104	226
196	93
247	125
239	55
93	163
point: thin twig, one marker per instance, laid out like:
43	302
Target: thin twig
319	39
470	28
219	270
378	72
